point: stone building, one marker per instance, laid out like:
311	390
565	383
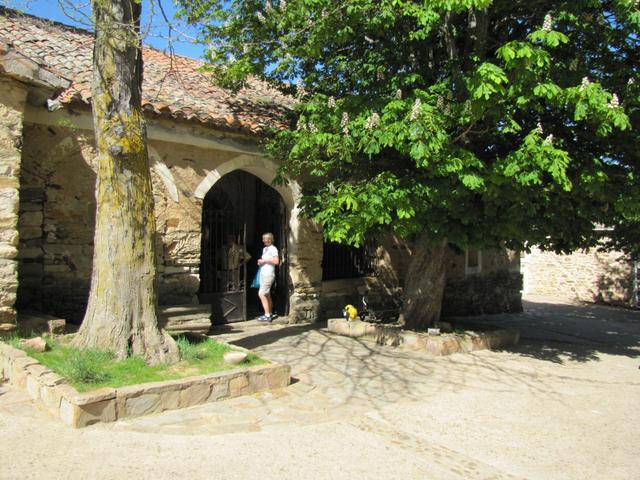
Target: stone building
586	276
211	181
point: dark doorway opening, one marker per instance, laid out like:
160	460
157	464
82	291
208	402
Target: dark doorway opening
237	210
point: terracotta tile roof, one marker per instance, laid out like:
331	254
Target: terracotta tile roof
172	86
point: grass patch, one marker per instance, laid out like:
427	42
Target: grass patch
90	369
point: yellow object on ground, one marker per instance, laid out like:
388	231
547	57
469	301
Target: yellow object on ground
350	312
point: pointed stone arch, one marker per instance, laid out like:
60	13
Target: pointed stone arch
261	167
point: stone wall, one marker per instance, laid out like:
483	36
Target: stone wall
589	276
495	288
12	102
57	221
57	214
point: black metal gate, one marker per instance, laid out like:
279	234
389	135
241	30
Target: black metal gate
223	282
236	212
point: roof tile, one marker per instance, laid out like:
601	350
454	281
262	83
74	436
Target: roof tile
173	86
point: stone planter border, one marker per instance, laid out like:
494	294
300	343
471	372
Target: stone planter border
444	344
110	404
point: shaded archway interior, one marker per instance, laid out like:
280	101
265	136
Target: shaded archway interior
236	211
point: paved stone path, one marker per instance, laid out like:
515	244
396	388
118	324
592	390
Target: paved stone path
562	404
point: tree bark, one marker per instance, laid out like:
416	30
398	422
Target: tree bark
122	312
424	284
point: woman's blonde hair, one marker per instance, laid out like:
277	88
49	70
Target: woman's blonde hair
269	235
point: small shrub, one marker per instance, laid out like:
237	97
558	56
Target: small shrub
190	351
86	366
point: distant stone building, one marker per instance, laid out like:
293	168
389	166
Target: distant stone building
588	276
211	180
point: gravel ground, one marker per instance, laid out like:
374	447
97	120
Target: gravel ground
561	405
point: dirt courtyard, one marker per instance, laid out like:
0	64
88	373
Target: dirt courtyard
563	404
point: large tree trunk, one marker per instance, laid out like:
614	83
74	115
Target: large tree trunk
424	284
122	311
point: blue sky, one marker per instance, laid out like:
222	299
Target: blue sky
157	36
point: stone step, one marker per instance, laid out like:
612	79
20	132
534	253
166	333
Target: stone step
185	318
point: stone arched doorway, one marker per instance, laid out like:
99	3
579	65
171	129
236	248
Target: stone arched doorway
236	211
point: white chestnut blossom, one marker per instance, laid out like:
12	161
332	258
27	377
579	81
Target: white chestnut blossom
331	102
416	109
614	102
548	23
282	5
549	139
631	80
261	17
585	83
300	90
372	122
344	123
398	94
539	129
268	8
313	128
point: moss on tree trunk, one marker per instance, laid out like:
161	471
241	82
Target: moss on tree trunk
122	312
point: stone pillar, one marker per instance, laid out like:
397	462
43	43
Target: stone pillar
12	103
305	270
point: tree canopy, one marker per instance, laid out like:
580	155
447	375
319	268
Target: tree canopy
480	122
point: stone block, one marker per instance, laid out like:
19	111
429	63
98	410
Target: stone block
170	400
140	405
18	376
413	341
31	219
9	236
5	366
239	385
219	389
94	396
8	251
10	352
195	394
51	398
33	387
278	376
357	329
37	371
29	233
51	379
57	326
258	381
8	315
7	296
338	325
83	415
6	328
30	253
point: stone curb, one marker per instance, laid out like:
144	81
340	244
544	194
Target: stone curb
445	344
110	404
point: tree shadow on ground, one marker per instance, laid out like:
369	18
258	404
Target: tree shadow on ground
349	374
561	333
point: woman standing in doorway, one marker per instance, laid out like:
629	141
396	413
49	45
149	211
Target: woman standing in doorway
268	263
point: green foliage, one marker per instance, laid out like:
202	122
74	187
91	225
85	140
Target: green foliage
484	122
